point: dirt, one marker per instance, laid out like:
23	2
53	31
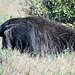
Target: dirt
14	7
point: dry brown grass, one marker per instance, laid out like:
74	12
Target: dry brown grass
16	64
12	7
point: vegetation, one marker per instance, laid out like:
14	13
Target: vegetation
60	10
3	18
13	63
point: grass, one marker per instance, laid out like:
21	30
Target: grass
14	63
3	18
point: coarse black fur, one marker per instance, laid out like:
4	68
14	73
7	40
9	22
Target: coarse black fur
36	35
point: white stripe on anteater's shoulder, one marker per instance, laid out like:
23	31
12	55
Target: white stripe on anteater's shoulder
8	34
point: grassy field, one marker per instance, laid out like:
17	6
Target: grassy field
14	63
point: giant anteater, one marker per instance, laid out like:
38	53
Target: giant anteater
36	35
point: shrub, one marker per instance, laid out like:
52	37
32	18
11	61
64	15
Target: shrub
60	10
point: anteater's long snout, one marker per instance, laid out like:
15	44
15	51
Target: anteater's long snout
0	31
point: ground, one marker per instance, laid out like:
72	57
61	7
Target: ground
16	64
14	7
